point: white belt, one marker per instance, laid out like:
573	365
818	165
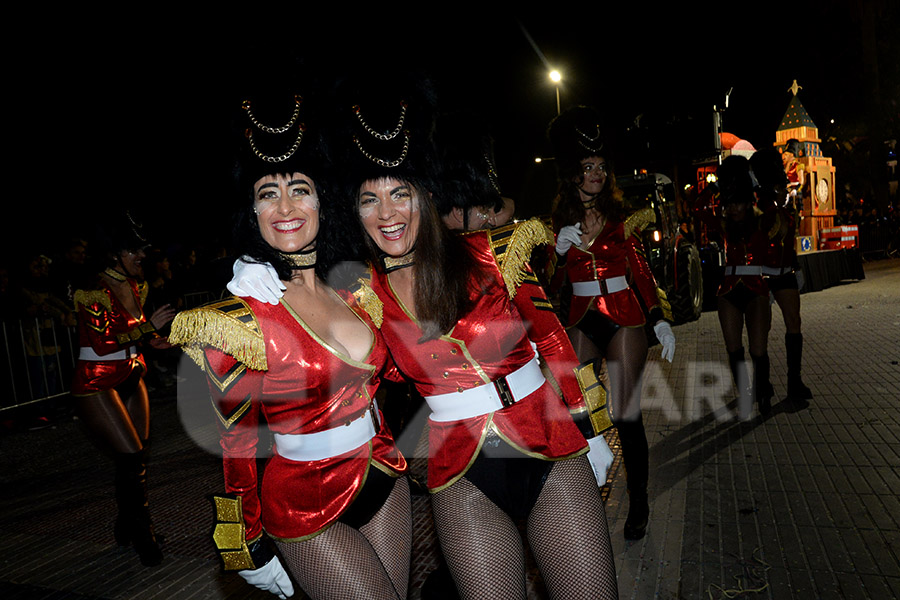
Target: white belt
87	353
481	400
331	442
776	270
744	270
602	287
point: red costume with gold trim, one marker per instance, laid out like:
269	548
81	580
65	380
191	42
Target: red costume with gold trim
755	242
491	341
106	327
265	365
617	251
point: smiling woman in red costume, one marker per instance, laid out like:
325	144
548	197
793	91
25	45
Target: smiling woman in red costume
468	324
108	384
333	496
613	292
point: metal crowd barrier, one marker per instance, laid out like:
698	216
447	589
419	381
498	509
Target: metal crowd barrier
38	356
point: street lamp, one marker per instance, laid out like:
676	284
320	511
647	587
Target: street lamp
555	77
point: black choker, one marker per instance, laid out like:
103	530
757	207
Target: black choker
304	259
393	263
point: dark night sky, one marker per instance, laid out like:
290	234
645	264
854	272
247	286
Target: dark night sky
136	113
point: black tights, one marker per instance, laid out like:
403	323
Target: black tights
369	563
566	529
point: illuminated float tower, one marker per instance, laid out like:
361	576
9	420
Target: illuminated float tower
814	171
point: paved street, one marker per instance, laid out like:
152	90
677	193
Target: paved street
803	504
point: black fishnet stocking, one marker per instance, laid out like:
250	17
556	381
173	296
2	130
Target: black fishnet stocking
369	563
569	536
481	544
567	532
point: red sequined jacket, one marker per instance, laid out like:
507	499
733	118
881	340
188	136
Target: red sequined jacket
266	366
492	340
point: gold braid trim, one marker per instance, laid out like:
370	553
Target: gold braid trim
513	244
594	397
228	325
664	305
369	301
88	298
639	220
143	291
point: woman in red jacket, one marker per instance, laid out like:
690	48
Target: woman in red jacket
333	495
600	254
108	385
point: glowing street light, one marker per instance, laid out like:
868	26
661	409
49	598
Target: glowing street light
556	77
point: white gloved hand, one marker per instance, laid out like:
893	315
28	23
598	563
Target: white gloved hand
600	457
271	577
259	281
665	336
568	236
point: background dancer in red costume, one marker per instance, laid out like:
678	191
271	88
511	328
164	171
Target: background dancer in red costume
781	268
743	296
613	293
333	496
108	385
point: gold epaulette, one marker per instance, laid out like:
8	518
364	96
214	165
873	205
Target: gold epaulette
594	397
512	246
664	305
368	299
228	325
229	534
88	298
639	220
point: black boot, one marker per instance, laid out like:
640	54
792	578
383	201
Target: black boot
741	382
635	455
796	389
762	387
133	525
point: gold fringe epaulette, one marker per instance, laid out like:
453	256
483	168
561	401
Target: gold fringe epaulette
639	220
369	300
512	246
92	297
228	325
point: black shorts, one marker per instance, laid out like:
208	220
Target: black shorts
787	281
598	328
741	296
371	498
512	480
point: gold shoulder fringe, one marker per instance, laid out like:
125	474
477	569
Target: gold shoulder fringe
91	297
513	245
143	291
228	325
369	300
639	220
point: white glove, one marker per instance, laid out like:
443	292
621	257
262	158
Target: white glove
665	336
600	457
271	577
259	281
568	236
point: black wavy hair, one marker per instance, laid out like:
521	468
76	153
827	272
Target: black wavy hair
290	142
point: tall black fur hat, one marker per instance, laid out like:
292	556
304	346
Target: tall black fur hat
382	125
768	168
735	180
577	133
466	157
